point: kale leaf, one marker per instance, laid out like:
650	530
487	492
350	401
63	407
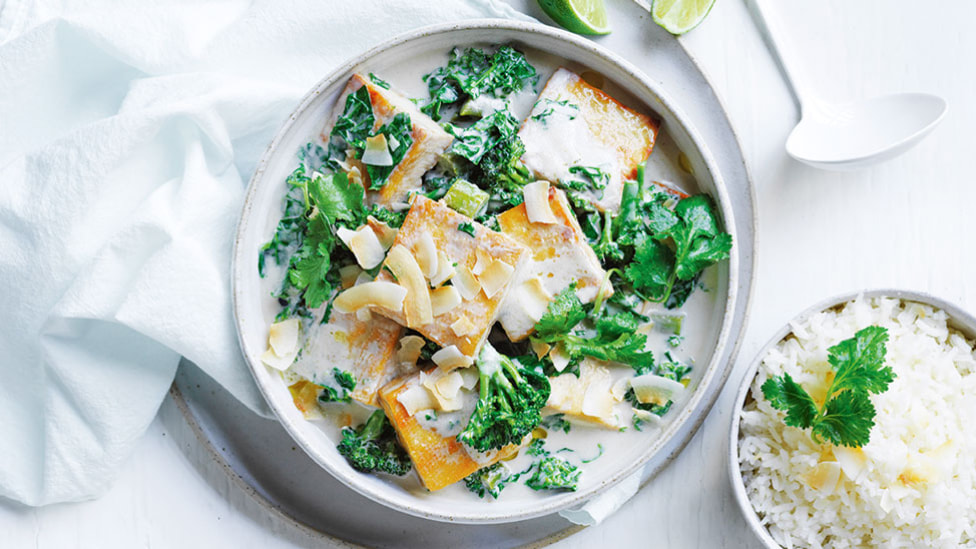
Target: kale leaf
472	72
399	134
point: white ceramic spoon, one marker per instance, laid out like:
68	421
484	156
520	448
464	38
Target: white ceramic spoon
843	136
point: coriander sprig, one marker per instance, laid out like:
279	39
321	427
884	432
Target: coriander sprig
847	415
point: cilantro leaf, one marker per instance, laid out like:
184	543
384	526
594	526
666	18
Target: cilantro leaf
847	420
650	272
847	416
310	265
682	244
337	198
787	395
616	338
562	315
859	362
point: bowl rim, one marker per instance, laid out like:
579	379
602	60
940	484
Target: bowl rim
958	318
692	413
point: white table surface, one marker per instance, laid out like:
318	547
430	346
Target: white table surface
900	224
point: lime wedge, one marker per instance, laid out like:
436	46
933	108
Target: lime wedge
579	16
680	16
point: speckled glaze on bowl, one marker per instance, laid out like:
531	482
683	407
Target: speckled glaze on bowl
262	203
959	319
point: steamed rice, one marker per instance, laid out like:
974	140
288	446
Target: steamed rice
916	485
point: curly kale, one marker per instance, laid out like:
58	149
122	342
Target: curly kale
341	388
510	401
472	72
372	447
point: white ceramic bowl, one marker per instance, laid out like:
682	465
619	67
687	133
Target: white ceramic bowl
415	54
959	319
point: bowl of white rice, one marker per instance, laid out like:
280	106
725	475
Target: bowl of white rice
913	484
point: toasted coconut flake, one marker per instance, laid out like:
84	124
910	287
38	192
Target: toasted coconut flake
654	389
469	376
385	233
363	315
444	299
464	327
466	283
537	207
597	401
355	175
364	245
278	362
540	348
559	358
648	417
416	306
378	294
484	259
445	388
283	337
415	398
495	277
410	349
362	278
377	151
445	270
425	251
451	358
348	275
619	389
533	298
823	477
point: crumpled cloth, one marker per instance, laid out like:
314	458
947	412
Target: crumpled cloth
128	132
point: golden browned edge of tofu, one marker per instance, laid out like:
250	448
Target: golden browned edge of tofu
630	133
442	222
440	461
541	238
429	139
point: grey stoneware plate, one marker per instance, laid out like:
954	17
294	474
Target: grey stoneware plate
259	454
959	320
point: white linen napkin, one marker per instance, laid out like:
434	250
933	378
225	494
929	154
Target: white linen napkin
128	131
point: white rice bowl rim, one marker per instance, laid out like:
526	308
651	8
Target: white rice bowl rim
958	319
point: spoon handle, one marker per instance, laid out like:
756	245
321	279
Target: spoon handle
783	53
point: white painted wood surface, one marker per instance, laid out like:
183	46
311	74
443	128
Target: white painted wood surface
902	224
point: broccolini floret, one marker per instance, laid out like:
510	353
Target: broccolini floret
554	473
373	447
490	480
509	405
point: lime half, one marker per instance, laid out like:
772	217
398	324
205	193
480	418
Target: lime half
579	16
680	16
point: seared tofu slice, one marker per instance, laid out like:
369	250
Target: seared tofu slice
367	350
574	124
429	140
439	461
586	399
466	324
560	256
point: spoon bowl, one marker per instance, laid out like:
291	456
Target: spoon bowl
851	135
845	136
